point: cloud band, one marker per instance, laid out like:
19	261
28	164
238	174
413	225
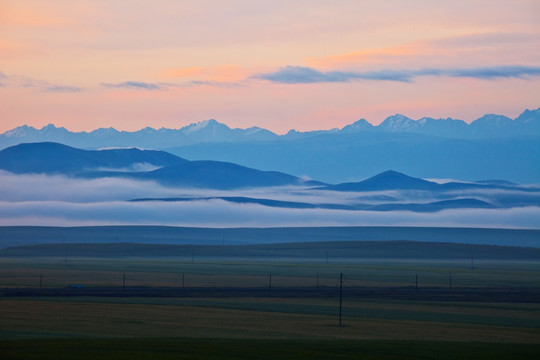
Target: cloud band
306	75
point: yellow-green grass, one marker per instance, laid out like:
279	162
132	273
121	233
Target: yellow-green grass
268	318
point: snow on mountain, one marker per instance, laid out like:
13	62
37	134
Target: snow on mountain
208	126
398	123
529	116
21	132
101	132
492	120
357	126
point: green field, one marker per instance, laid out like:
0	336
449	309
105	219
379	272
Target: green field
271	301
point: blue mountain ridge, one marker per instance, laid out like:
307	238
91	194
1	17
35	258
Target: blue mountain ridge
173	171
491	147
463	203
487	126
53	158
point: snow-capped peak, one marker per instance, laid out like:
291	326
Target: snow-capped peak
398	122
195	127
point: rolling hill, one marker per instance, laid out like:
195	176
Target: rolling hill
54	158
48	157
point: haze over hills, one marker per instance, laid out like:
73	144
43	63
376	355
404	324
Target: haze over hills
491	147
391	190
49	157
337	158
165	168
388	180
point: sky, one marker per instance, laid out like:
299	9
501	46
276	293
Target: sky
306	64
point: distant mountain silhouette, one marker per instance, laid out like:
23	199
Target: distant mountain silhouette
393	180
491	147
408	193
53	158
388	180
239	200
218	175
48	157
350	157
204	131
467	203
487	126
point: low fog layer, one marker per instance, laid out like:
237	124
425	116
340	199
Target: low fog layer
61	201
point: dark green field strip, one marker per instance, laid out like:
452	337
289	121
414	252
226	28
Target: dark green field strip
151	272
9	335
168	348
430	314
26	235
343	250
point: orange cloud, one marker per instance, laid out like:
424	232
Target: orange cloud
20	17
8	47
382	55
225	73
450	49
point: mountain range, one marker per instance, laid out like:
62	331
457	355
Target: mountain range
487	126
491	147
387	191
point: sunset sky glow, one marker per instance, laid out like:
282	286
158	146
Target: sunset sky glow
275	64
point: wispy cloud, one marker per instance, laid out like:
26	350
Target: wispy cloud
493	72
306	75
64	201
139	85
62	88
218	213
28	82
136	85
301	74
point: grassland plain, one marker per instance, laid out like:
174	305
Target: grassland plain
282	328
181	306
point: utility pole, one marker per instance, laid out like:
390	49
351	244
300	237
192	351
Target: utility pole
340	296
65	249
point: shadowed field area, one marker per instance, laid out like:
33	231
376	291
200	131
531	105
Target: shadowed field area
269	318
261	349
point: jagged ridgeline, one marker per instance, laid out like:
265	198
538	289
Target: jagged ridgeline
491	147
